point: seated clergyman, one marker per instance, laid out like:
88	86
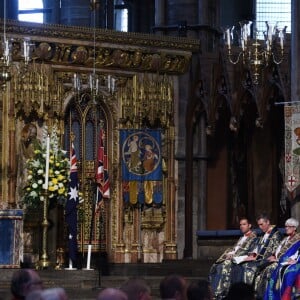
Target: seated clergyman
220	272
264	247
285	253
282	276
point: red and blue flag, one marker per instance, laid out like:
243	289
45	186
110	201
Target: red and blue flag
102	177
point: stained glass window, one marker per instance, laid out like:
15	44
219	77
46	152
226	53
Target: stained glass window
30	11
274	12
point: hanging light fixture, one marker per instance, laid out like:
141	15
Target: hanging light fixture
255	53
93	78
94	82
6	60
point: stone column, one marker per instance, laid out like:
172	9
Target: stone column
159	12
170	247
295	73
181	10
76	13
202	176
12	169
11	9
181	13
53	16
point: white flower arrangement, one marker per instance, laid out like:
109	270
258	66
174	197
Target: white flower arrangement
59	168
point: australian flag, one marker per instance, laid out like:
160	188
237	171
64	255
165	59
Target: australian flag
102	177
71	206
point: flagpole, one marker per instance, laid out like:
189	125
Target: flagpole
102	187
89	253
72	137
71	207
98	209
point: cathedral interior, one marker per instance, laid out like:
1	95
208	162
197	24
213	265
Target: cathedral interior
193	125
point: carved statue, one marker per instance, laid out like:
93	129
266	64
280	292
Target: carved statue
28	143
29	140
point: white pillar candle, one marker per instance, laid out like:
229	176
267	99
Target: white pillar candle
88	263
281	36
47	163
6	48
227	32
270	34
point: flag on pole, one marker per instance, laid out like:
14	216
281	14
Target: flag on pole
71	206
102	177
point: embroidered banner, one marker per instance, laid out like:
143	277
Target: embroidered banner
147	192
141	167
292	149
141	155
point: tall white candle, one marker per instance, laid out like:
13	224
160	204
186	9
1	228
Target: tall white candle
281	38
270	34
47	163
88	263
227	32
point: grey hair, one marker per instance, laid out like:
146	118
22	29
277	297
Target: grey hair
292	222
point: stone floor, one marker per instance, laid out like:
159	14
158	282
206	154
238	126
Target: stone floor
86	284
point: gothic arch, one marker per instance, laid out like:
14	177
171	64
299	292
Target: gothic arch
84	117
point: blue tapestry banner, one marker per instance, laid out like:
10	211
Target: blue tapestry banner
141	155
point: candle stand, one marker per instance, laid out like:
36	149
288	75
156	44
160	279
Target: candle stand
44	258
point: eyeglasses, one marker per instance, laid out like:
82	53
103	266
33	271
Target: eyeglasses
289	226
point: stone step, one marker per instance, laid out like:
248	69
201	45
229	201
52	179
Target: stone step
184	267
86	284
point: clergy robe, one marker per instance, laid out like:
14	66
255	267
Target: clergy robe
284	283
220	272
283	252
264	247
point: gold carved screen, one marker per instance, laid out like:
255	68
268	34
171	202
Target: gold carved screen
83	121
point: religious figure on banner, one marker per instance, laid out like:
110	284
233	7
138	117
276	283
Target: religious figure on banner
149	159
141	155
297	133
134	161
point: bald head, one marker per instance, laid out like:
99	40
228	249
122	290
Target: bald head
173	287
24	281
136	289
112	294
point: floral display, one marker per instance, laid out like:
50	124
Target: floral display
59	169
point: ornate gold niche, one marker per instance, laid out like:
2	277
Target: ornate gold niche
147	102
145	71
